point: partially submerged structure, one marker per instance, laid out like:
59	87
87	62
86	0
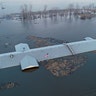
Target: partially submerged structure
29	58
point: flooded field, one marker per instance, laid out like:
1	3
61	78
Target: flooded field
69	76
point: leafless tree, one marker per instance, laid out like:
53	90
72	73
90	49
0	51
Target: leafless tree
45	11
71	7
26	13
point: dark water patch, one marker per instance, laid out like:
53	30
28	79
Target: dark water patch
89	92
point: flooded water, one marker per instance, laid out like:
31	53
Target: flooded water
42	82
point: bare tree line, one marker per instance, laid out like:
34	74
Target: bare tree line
85	11
26	12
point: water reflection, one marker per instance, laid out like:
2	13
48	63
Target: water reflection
70	19
45	22
26	24
55	20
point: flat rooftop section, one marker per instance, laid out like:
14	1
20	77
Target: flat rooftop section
28	62
29	58
21	47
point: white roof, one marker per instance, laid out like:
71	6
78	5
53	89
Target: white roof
28	58
21	47
28	62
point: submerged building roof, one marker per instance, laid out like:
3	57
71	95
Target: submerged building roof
44	53
28	62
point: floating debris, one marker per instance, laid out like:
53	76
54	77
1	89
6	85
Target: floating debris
41	42
65	65
85	16
8	85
